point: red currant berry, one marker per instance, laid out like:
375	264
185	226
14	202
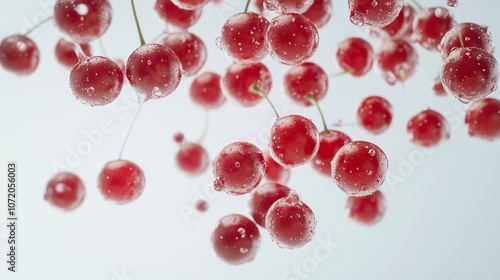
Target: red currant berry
201	205
189	48
397	60
176	16
263	197
190	4
428	128
329	144
65	191
238	168
192	158
430	25
355	56
359	168
366	210
293	140
121	181
275	172
19	54
320	12
288	6
374	13
239	80
306	78
375	114
236	239
468	34
205	91
66	55
437	87
399	28
179	137
483	119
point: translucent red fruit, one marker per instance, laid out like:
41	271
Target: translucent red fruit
263	197
320	12
397	60
239	80
359	168
189	48
238	168
190	4
428	128
483	119
437	87
83	20
303	79
290	222
154	70
205	91
66	55
19	54
400	28
96	81
65	191
366	210
121	181
192	158
355	56
236	239
292	38
430	25
374	13
243	37
201	205
275	172
375	114
470	73
329	144
176	16
288	6
293	140
473	35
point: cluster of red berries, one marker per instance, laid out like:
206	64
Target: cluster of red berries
291	37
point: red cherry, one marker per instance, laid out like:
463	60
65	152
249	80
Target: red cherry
201	205
239	80
359	168
65	191
238	168
205	91
19	54
263	197
355	55
179	137
292	38
290	222
236	239
66	55
97	81
397	60
375	114
430	25
259	4
473	35
399	28
243	36
176	16
366	210
428	128
83	20
190	4
121	181
154	70
189	48
483	119
288	6
329	144
374	13
320	12
437	87
192	158
306	78
275	172
293	140
470	73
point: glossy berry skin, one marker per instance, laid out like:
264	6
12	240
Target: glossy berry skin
473	35
275	172
292	38
83	20
397	60
320	12
239	79
263	197
65	191
238	168
190	4
290	222
366	210
470	73
97	81
400	28
430	25
243	37
288	6
66	55
236	239
293	140
303	79
375	114
359	168
483	119
205	91
437	87
19	55
374	13
329	144
192	158
189	48
428	128
121	181
355	55
176	16
154	70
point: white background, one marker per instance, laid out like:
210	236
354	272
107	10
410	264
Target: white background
442	220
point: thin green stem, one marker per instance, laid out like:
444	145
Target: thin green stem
137	23
256	88
420	7
141	102
461	39
101	45
311	99
205	128
247	5
37	25
348	71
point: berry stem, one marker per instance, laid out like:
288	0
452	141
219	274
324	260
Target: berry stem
247	5
142	100
256	88
137	23
420	7
79	52
205	128
461	39
311	99
348	71
37	25
101	45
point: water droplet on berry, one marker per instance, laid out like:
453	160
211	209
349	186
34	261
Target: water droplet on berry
82	9
452	3
242	232
371	152
243	250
